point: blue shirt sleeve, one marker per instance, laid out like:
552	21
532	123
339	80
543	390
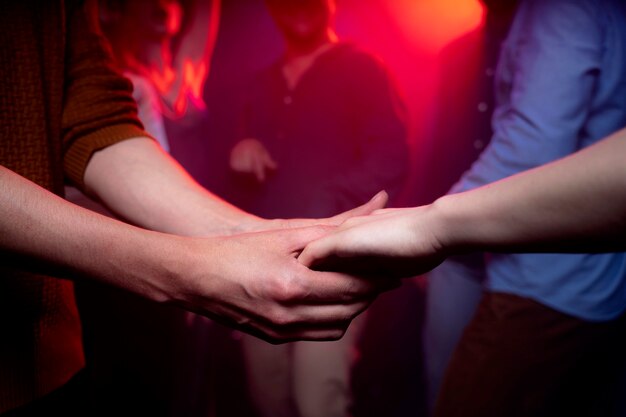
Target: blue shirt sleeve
545	80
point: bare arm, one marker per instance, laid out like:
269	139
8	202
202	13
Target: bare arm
252	282
575	204
144	185
249	281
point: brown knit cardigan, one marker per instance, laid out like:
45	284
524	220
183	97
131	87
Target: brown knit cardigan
60	101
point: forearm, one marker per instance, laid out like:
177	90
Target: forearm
199	38
577	203
44	232
142	184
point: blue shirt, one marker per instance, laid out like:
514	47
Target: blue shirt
560	86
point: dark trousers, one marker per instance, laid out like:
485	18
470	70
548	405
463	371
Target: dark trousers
520	358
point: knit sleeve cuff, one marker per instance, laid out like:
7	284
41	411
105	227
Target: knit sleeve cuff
79	153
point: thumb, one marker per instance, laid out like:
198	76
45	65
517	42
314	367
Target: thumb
376	203
259	170
316	251
270	163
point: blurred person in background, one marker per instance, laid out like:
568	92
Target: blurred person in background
547	337
67	115
534	341
323	128
164	48
462	130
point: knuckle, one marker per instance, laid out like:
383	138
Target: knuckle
288	290
281	318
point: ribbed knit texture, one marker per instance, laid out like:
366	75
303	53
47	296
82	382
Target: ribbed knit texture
60	101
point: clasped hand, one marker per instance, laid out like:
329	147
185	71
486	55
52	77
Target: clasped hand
389	243
254	282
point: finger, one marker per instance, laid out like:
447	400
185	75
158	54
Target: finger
280	336
269	162
326	322
234	162
238	159
317	250
337	253
295	315
376	267
297	238
388	210
377	202
259	170
277	333
278	324
317	287
332	254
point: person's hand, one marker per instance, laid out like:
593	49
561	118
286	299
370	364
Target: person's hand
249	156
255	224
257	285
388	243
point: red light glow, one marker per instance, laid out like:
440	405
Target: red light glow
194	76
434	23
190	87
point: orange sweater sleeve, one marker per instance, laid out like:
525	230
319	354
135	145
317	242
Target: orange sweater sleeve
98	108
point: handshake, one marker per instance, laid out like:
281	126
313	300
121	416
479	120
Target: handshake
303	279
307	279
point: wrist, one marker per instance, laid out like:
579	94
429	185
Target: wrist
249	223
182	268
159	267
215	222
446	224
